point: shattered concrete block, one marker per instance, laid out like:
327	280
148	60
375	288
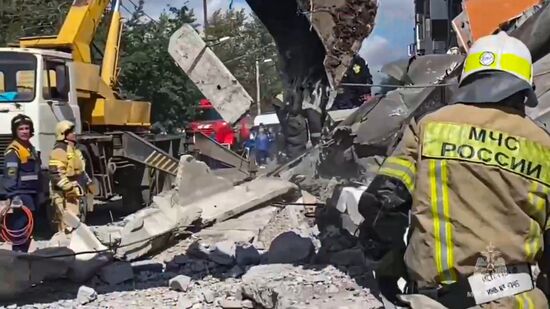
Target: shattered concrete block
147	265
108	234
59	239
230	235
179	283
208	296
257	283
84	240
171	266
116	273
230	203
247	255
19	271
234	272
153	234
181	259
86	295
198	250
290	247
247	303
230	304
184	302
195	180
223	253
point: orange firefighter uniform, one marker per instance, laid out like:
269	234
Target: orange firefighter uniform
472	181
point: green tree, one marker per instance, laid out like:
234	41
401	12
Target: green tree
19	18
249	42
148	71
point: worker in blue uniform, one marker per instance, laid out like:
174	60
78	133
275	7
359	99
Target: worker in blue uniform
21	177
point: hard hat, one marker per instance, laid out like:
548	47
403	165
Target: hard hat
20	120
496	67
499	52
62	128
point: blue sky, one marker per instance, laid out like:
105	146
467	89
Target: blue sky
392	33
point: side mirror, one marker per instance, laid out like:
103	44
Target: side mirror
62	83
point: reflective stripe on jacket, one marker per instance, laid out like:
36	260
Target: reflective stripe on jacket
67	165
474	177
21	170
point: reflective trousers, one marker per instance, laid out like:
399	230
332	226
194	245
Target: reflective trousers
63	204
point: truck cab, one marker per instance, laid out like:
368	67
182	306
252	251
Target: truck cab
36	83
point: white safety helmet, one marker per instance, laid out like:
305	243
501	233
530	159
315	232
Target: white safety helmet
499	52
496	67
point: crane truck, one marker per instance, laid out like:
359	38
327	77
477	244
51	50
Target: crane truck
53	78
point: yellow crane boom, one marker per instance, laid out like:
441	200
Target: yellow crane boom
99	103
110	57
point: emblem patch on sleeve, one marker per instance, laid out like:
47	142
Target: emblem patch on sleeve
12	171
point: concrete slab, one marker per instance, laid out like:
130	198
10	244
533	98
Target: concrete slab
230	203
210	75
116	273
244	228
84	240
195	180
150	228
19	271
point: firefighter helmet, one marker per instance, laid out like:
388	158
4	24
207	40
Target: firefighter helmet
499	52
20	120
62	128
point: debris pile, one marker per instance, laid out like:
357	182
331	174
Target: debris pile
264	258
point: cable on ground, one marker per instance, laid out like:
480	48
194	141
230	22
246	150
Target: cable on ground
20	236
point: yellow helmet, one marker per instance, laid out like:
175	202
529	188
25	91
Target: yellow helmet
62	128
499	52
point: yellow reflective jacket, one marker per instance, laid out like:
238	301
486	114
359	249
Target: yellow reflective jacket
473	176
67	165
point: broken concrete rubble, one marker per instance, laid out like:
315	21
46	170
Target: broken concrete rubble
199	195
247	255
223	253
86	295
290	248
285	286
116	273
147	265
180	283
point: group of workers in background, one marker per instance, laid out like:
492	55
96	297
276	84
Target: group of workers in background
69	183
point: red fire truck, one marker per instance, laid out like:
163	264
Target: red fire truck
209	122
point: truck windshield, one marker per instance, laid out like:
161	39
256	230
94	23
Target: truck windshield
17	77
207	114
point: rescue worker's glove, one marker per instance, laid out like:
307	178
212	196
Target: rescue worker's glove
93	189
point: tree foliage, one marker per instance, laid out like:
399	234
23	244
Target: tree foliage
147	72
249	42
20	18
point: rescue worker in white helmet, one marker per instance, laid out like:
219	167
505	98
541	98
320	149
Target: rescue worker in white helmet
68	178
21	179
474	177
